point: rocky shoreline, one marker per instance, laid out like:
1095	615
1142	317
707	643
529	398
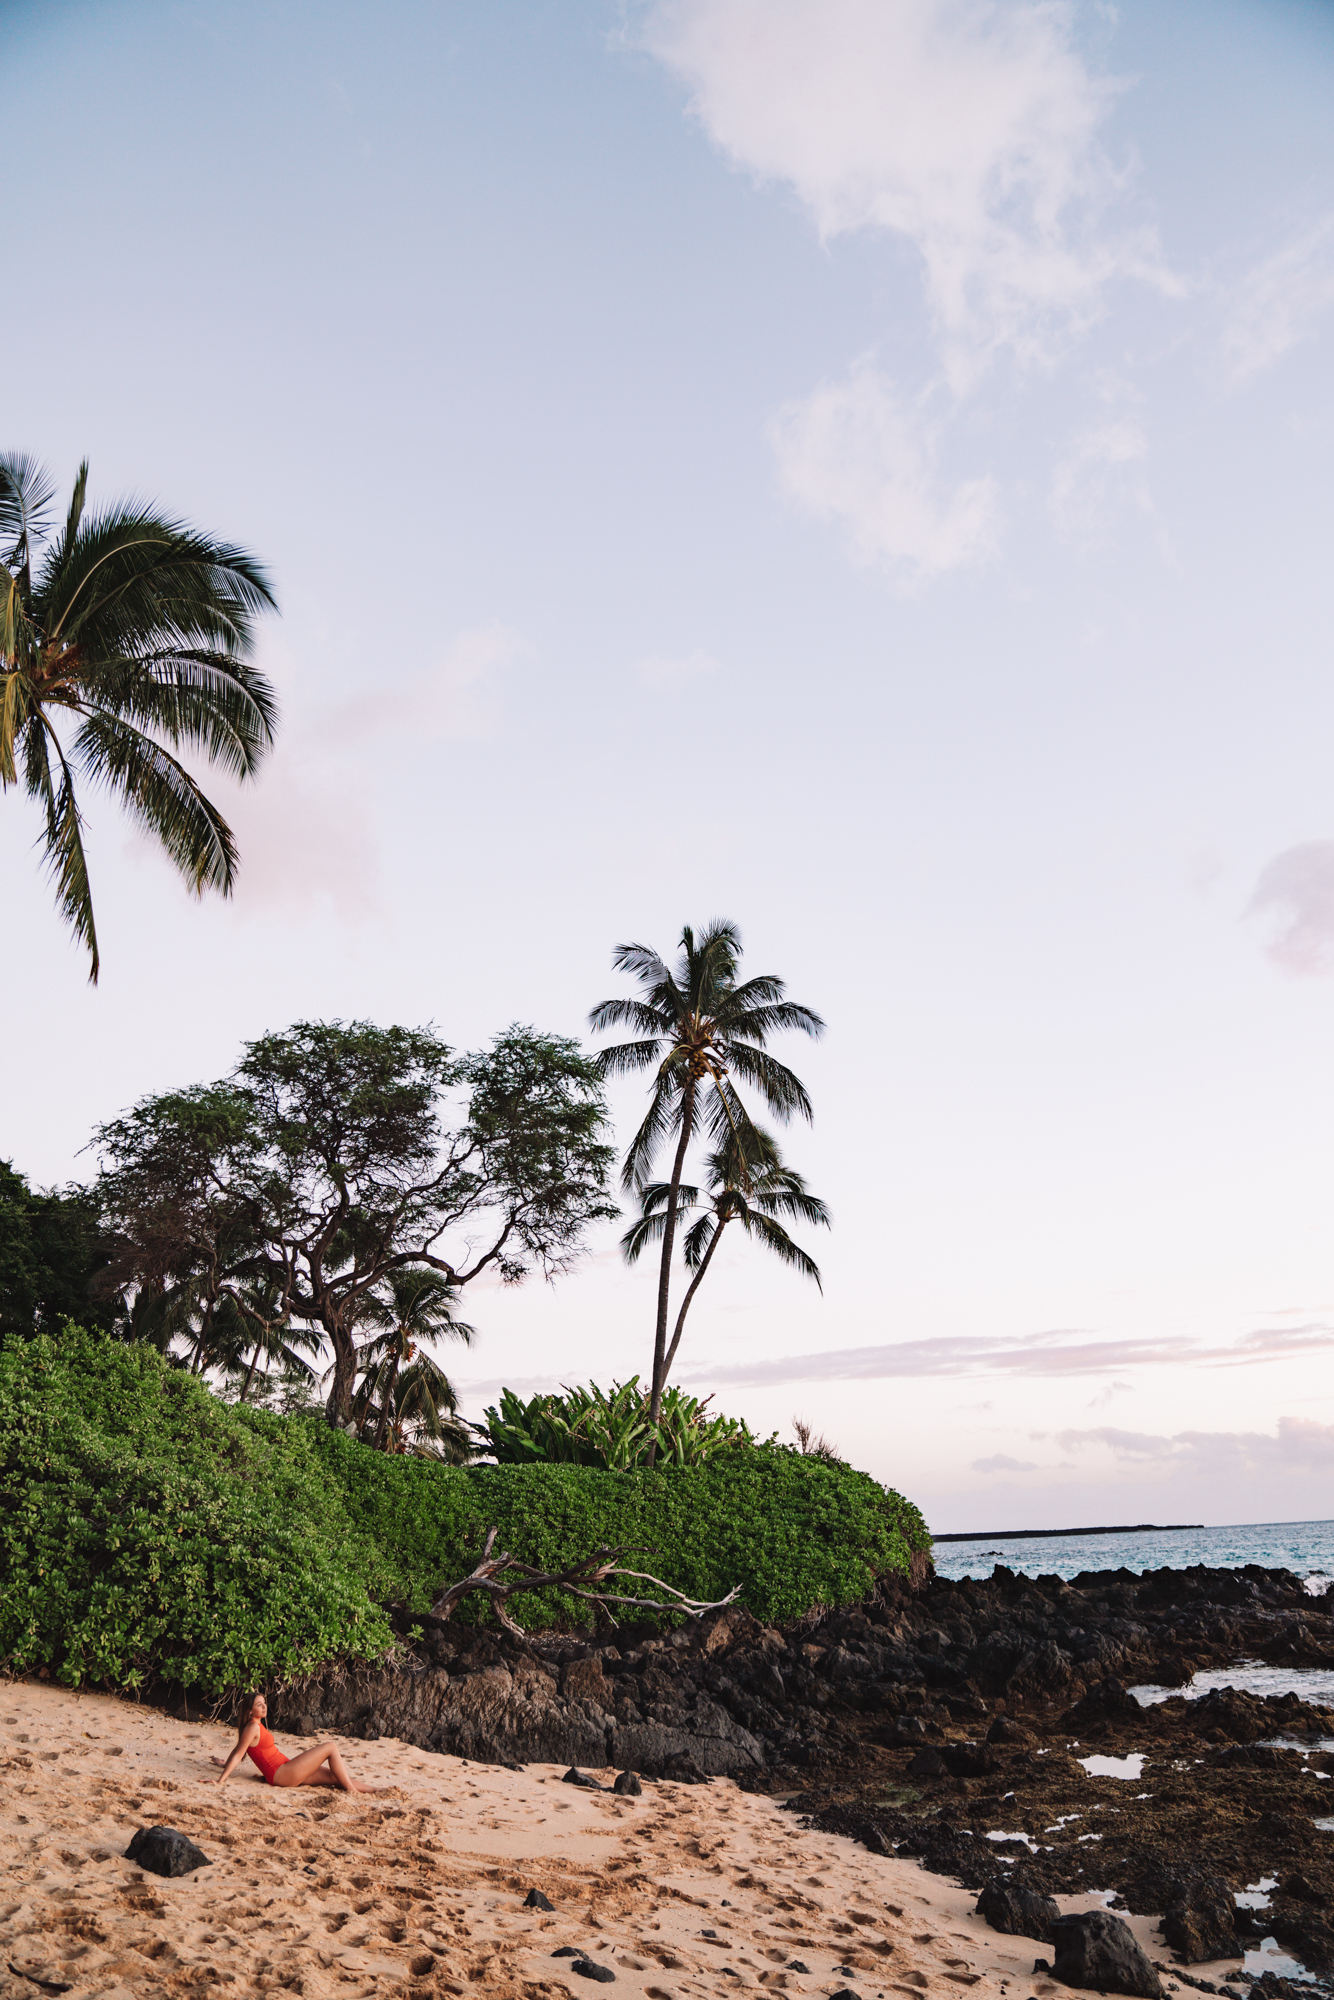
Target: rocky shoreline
944	1720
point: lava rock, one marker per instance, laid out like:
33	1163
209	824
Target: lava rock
1109	1701
1019	1912
969	1760
1006	1730
574	1776
844	1993
798	1965
587	1969
1200	1922
535	1900
928	1764
163	1851
1098	1952
628	1784
1300	1889
683	1770
567	1951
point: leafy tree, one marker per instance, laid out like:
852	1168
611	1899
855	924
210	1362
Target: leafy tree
136	632
405	1401
747	1183
338	1154
699	1030
52	1256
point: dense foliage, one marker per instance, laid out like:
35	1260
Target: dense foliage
146	1528
51	1251
611	1428
338	1154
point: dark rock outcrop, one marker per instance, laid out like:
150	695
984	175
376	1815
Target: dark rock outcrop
1019	1912
1098	1952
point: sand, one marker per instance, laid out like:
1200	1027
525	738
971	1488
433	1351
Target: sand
688	1890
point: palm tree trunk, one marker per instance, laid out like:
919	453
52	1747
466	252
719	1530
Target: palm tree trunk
695	1284
386	1405
250	1372
665	1269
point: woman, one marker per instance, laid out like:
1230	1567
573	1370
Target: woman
253	1739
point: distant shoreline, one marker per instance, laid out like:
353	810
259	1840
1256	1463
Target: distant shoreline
1056	1534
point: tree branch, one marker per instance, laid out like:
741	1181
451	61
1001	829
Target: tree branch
602	1564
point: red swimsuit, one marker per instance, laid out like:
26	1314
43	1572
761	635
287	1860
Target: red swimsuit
266	1754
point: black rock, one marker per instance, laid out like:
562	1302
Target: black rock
795	1965
1200	1921
1270	1987
1300	1889
1020	1912
967	1760
588	1970
844	1993
682	1769
163	1851
1098	1952
628	1784
928	1764
535	1900
574	1776
1006	1730
567	1951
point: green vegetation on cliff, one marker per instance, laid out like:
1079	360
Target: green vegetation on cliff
148	1529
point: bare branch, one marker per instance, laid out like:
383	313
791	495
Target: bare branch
603	1564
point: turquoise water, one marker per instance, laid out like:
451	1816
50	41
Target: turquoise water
1306	1547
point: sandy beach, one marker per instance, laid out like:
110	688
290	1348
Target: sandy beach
687	1890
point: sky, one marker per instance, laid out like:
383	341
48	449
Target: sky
856	467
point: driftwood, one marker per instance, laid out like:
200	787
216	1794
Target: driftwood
604	1563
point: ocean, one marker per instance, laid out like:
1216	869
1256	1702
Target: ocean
1305	1547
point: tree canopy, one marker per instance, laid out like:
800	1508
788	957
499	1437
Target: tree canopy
339	1154
52	1255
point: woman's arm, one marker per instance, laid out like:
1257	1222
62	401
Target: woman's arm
248	1735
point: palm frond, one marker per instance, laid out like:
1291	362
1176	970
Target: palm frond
132	572
26	493
783	1091
206	700
628	1058
630	1014
774	1237
65	854
756	1023
163	797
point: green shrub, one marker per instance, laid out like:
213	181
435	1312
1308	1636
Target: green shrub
607	1428
147	1528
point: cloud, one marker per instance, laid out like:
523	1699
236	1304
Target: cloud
1059	1353
1281	303
1297	887
1000	1463
1093	474
306	828
967	128
855	454
1299	1446
1109	1394
663	670
455	696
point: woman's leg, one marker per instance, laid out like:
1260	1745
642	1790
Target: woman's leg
308	1769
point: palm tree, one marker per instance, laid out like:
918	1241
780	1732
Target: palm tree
405	1401
137	631
697	1029
751	1186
